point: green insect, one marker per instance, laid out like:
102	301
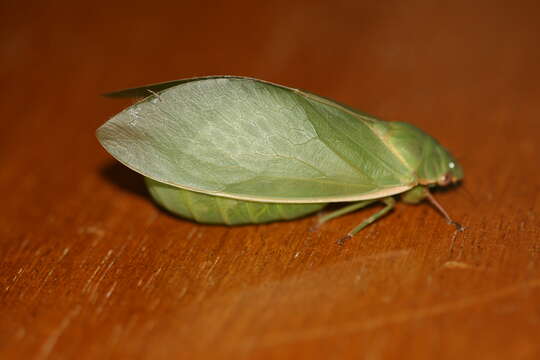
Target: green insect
234	150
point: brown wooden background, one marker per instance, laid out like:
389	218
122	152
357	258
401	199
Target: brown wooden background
91	269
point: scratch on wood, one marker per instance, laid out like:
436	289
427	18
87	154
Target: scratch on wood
182	292
43	282
64	253
395	319
93	294
152	219
151	278
92	230
457	265
191	233
90	279
87	285
24	243
15	278
212	265
109	293
155	303
51	341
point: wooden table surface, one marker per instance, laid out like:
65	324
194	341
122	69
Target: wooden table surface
92	269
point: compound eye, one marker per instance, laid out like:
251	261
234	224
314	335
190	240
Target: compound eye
445	180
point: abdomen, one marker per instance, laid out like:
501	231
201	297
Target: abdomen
219	210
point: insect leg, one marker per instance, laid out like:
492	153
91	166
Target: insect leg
438	206
389	201
345	210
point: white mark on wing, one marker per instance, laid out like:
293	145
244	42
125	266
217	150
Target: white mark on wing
134	115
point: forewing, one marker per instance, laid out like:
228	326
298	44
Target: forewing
245	139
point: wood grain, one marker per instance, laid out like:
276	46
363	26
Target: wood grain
91	269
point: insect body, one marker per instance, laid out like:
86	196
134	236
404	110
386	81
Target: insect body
235	150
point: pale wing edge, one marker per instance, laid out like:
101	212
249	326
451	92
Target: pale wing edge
376	194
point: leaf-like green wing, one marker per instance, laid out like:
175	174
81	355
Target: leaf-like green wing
249	139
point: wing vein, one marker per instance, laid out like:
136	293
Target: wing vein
392	148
